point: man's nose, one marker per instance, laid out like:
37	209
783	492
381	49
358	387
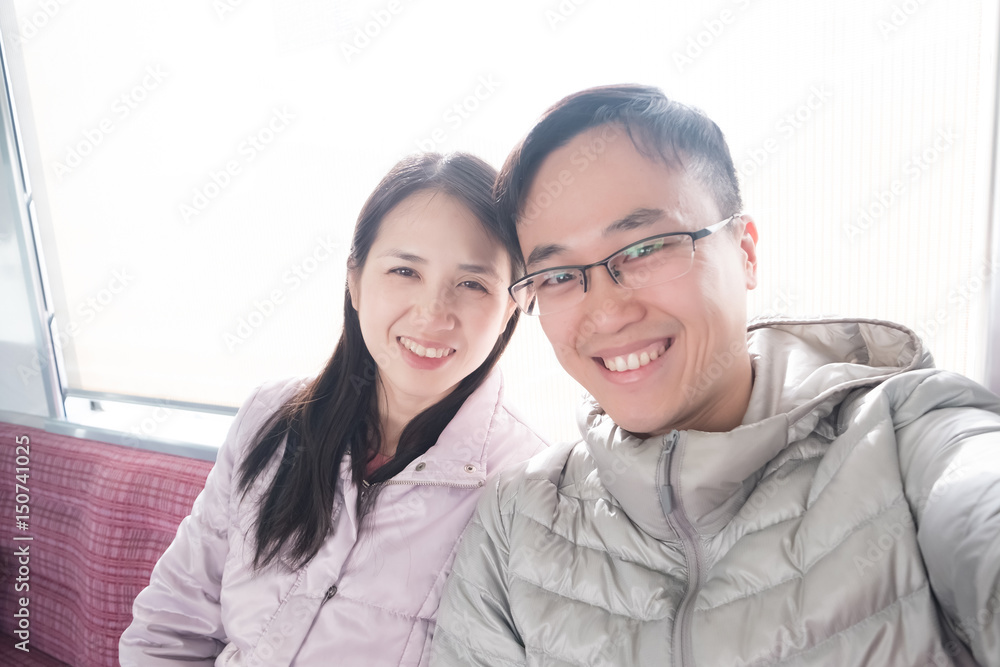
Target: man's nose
606	303
600	285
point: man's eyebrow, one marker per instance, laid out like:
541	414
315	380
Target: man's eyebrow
543	252
640	217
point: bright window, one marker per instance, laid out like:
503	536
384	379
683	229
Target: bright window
197	167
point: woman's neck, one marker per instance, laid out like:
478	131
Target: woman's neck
395	412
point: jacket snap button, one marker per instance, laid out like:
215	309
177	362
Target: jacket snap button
420	466
470	468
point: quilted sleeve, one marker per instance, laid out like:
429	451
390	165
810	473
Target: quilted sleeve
948	430
474	623
176	620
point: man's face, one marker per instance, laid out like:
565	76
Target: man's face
701	379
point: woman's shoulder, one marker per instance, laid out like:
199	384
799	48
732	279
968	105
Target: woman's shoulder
260	405
514	438
511	424
272	394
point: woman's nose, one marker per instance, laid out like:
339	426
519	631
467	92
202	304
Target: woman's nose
435	310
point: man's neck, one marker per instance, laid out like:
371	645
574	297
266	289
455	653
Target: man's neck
728	411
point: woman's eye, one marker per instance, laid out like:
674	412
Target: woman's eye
473	285
404	271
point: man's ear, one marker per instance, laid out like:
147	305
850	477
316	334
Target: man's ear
748	244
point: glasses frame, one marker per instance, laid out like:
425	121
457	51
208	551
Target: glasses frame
583	268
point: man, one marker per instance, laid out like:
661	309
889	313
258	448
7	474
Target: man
805	492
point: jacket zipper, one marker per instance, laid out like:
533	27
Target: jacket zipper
454	485
692	554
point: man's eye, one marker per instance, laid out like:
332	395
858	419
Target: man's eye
556	279
644	249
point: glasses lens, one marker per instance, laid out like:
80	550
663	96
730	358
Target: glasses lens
523	294
654	261
549	292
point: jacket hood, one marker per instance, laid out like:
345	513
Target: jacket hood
809	364
802	369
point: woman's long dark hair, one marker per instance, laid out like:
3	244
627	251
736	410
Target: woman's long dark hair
337	413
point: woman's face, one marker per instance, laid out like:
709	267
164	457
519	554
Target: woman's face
432	297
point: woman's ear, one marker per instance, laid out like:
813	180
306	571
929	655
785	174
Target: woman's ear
511	308
353	288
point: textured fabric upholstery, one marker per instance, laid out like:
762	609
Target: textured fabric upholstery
100	517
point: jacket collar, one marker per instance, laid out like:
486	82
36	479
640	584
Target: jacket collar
711	474
459	456
802	371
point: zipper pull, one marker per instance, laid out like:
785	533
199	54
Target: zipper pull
667	498
330	592
667	491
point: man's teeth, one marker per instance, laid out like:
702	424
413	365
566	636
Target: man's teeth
421	351
633	361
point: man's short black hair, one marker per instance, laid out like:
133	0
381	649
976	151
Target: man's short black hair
661	129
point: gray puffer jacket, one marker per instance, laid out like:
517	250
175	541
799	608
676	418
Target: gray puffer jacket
853	519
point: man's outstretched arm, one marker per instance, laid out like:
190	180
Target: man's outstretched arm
950	458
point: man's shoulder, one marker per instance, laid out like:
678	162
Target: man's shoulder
557	470
913	393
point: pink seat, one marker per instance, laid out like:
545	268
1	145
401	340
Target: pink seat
100	515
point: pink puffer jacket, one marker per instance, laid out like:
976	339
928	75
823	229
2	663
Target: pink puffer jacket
368	597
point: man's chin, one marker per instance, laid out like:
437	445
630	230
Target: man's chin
639	425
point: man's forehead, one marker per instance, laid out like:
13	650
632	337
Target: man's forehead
590	171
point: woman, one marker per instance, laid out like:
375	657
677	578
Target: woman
329	523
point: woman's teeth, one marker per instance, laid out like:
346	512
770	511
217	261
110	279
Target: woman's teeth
633	361
421	351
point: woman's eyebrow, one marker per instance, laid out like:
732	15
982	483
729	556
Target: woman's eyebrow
405	256
480	269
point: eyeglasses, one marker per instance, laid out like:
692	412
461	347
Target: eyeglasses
651	261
